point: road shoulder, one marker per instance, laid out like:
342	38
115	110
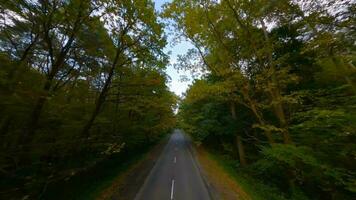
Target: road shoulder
220	183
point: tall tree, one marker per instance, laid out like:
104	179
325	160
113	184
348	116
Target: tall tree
138	40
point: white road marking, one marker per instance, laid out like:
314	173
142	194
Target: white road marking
175	159
172	189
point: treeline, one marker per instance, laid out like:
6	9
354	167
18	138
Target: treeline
279	91
80	82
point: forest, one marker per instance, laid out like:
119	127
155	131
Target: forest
277	94
84	89
81	82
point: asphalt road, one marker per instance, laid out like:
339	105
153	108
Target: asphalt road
175	175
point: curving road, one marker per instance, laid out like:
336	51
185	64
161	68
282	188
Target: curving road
175	175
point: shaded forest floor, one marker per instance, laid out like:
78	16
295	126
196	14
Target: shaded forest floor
126	185
116	178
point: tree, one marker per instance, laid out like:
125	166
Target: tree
137	38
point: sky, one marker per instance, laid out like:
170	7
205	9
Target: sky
175	85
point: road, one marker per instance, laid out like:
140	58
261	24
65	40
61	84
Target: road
175	175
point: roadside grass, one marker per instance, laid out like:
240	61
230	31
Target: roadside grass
255	189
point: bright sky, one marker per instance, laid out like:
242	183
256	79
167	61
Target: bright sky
175	84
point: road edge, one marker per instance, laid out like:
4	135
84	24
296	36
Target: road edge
213	193
159	158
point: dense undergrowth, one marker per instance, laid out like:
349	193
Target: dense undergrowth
255	189
92	182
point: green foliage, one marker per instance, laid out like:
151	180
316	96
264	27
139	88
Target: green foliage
279	92
81	82
254	187
289	155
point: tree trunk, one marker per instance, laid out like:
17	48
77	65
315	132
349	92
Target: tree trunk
89	124
102	97
252	107
241	150
100	101
283	123
239	144
5	125
267	133
32	125
275	91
